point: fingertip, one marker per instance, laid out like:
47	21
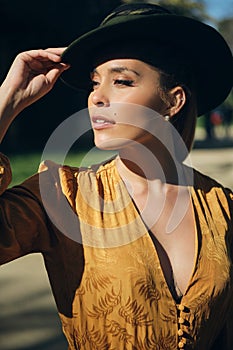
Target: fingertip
66	66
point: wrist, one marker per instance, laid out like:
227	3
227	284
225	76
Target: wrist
9	103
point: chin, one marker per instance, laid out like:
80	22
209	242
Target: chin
111	144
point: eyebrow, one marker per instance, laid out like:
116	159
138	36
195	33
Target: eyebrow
118	69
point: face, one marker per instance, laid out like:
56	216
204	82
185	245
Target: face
125	92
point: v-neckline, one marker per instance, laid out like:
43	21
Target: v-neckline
152	245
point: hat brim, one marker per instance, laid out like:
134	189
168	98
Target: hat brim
209	55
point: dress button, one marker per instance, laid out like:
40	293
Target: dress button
181	307
180	332
181	345
181	320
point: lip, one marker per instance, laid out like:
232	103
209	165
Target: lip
100	122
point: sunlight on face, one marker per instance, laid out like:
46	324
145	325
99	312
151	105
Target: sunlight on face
118	87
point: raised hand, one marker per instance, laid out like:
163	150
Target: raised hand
32	75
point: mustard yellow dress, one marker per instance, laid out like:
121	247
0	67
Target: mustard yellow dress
103	267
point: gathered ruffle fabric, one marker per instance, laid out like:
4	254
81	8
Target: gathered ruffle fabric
103	267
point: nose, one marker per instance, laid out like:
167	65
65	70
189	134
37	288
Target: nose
99	96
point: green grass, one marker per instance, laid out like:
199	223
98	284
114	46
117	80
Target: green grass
23	166
26	165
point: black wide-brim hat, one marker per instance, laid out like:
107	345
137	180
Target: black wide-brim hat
156	36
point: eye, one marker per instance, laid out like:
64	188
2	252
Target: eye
125	82
93	84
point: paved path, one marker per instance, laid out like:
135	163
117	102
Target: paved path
28	318
217	163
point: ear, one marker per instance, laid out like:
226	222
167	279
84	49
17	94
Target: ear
178	98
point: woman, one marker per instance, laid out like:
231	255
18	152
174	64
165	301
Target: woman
138	249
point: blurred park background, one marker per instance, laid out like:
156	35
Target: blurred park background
26	25
28	318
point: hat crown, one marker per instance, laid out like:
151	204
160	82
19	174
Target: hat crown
204	48
135	9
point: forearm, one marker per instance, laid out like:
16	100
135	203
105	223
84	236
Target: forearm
8	109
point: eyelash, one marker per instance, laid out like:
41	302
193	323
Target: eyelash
125	82
94	83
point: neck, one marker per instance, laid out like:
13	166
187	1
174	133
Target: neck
149	162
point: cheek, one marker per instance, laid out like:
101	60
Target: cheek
89	100
135	115
152	99
149	97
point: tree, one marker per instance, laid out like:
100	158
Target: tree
225	27
194	9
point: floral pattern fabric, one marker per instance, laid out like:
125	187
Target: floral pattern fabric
108	283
